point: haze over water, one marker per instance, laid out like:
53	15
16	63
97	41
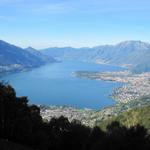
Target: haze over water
54	84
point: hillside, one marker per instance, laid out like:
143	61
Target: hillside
128	53
39	55
7	145
22	128
139	115
16	58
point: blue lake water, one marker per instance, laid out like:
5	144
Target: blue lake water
53	84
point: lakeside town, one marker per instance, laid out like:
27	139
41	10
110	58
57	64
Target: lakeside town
87	117
91	117
10	68
135	87
134	93
83	115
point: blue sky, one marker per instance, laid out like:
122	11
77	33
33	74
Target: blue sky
77	23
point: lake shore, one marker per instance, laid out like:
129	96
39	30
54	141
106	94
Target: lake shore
135	93
62	82
136	85
90	117
57	78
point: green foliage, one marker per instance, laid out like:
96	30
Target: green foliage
22	124
130	118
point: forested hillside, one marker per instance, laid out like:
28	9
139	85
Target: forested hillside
140	115
22	127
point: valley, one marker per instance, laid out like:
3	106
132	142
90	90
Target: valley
107	79
74	75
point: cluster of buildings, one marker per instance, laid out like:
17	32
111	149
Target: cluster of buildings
137	86
9	68
83	115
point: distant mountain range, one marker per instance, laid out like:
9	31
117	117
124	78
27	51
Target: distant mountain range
15	58
40	56
133	54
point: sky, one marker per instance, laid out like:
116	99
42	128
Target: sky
76	23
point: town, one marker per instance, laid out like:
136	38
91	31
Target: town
135	92
135	85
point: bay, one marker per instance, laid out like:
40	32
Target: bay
54	84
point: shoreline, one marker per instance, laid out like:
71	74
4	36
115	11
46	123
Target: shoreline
136	85
89	117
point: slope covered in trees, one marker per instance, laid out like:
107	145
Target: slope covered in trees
130	118
22	126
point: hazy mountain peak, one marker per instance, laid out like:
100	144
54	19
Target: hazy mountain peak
127	53
30	48
13	57
134	43
39	55
3	42
131	42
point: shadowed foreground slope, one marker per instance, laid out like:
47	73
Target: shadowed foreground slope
21	126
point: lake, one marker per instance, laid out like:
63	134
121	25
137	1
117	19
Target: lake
54	84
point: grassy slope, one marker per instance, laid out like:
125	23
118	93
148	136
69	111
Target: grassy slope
130	117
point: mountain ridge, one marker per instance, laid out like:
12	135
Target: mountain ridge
134	55
128	53
15	58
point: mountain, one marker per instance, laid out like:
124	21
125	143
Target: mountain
16	58
39	55
68	53
132	54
